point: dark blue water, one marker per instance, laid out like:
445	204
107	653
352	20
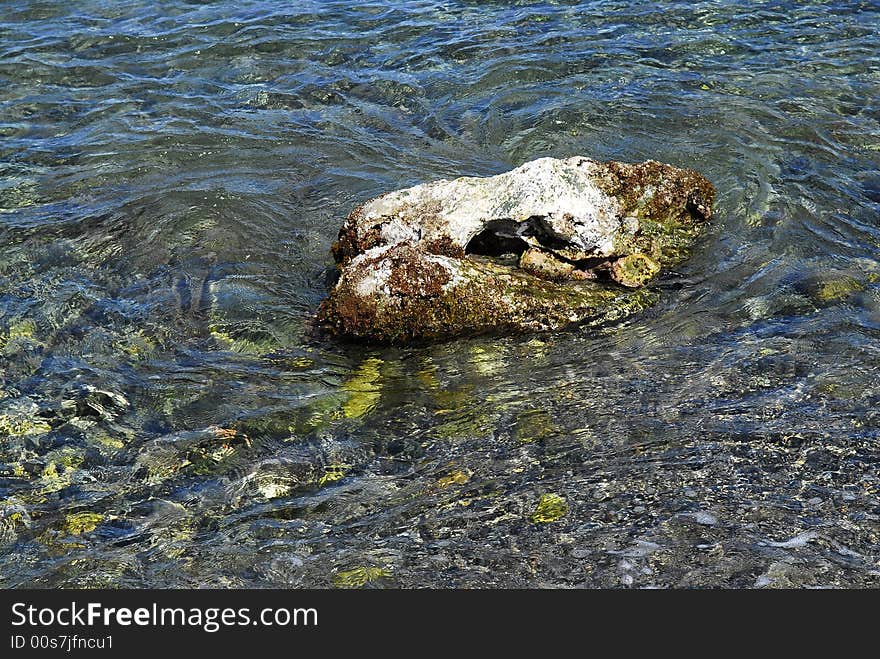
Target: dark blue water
172	175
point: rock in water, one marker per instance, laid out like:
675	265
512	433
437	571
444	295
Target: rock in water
549	244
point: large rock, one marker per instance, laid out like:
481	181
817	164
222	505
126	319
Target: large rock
549	244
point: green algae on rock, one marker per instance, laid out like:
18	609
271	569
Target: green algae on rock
551	507
359	576
550	244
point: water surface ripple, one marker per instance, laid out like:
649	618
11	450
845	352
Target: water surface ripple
172	175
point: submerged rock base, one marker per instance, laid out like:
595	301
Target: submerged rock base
550	244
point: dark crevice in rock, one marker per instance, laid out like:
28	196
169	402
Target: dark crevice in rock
539	228
498	238
507	236
596	263
503	239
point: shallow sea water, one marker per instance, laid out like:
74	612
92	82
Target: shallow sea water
172	175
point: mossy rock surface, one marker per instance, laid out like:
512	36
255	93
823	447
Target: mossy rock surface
448	297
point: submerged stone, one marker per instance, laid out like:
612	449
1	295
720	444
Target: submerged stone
551	507
359	576
83	522
547	245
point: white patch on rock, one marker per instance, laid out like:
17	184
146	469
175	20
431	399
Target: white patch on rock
563	192
370	278
371	271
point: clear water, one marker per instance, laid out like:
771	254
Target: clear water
172	175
